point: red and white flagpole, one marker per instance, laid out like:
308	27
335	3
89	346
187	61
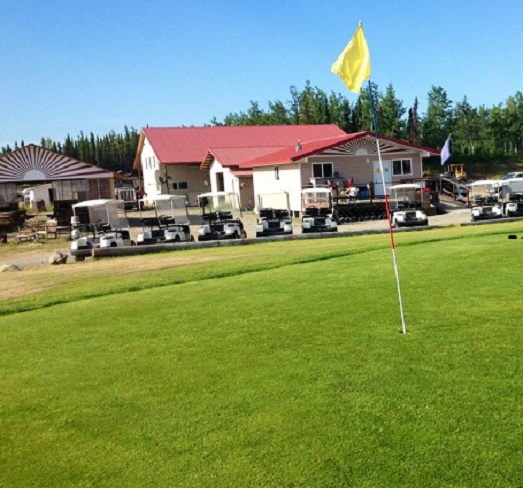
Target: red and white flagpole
387	210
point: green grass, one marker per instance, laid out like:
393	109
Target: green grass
274	365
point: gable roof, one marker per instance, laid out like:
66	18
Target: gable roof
341	145
36	163
190	145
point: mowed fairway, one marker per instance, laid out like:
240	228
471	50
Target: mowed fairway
276	364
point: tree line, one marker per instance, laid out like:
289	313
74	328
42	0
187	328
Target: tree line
479	134
114	152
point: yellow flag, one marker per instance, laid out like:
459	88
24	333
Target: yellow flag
353	64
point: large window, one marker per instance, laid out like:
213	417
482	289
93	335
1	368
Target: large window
180	185
401	167
322	170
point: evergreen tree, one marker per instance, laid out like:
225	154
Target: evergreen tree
277	114
466	128
437	123
413	124
392	115
340	112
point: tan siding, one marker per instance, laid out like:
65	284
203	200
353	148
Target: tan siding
192	174
355	167
360	168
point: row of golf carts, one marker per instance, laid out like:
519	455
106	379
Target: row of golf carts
103	223
489	199
492	199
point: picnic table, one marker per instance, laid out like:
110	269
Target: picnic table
26	234
37	228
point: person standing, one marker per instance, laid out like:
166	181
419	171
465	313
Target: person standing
370	187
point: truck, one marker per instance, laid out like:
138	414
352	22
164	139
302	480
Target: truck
221	215
167	221
484	200
406	205
274	215
511	197
98	224
317	212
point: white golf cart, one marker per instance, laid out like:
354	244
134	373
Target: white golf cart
168	221
406	202
317	214
484	200
275	215
511	197
98	224
221	215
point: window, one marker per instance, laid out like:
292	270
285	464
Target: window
276	173
402	167
322	170
180	185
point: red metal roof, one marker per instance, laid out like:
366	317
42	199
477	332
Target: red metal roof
183	145
233	156
290	154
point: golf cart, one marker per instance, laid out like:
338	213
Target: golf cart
98	224
221	217
168	221
511	196
406	205
317	211
484	200
275	215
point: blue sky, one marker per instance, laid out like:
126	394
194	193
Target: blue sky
69	66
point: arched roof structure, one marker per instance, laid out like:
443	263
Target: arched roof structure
33	163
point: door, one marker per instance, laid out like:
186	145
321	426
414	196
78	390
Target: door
378	180
220	186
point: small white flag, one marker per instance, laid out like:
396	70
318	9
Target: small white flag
445	152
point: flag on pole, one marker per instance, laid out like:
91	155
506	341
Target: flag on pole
445	151
353	64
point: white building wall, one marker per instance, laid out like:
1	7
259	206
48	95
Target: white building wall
286	179
231	183
150	171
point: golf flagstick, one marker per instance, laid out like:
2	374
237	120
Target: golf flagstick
353	67
387	209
